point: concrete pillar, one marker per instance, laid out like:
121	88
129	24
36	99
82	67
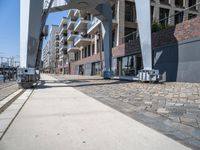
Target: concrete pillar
95	44
156	16
172	12
186	13
121	21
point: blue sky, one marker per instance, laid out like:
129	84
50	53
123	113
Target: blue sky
9	26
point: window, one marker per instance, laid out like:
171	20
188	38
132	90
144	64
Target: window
93	49
130	13
127	66
128	35
191	16
192	4
85	52
113	39
179	3
98	46
113	12
89	51
164	14
178	17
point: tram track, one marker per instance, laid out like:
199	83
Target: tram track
6	102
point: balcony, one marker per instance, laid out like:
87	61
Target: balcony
63	29
76	13
63	38
71	35
63	47
82	41
70	24
81	24
92	26
72	48
70	13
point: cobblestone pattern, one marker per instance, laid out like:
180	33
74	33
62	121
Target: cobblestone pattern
7	88
171	108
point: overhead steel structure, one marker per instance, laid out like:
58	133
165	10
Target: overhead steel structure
33	15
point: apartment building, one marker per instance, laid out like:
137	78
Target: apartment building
49	51
46	58
81	41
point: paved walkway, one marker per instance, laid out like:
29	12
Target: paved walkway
58	117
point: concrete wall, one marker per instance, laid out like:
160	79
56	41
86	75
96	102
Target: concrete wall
179	62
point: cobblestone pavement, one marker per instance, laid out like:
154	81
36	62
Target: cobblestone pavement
7	88
170	108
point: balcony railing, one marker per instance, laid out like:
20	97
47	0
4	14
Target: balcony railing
70	23
77	38
70	35
71	47
63	29
79	21
92	23
70	13
82	40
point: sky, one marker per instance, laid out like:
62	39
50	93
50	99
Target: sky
10	24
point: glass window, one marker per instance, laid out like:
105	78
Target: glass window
128	66
130	14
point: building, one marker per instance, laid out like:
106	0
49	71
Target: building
52	46
46	58
81	50
49	51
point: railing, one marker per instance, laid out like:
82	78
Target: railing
70	45
92	23
63	36
77	38
69	33
69	21
62	28
77	22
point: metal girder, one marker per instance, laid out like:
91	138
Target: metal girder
143	8
33	19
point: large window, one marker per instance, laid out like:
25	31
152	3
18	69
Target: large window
191	16
89	50
129	65
129	35
96	68
178	17
164	14
113	12
192	4
130	13
179	3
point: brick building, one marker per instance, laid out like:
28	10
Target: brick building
80	46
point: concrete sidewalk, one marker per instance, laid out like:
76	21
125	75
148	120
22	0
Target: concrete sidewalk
57	117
